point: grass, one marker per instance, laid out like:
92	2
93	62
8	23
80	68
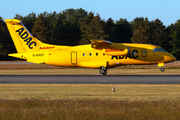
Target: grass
130	92
89	102
94	109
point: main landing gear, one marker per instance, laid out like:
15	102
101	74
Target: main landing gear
103	70
162	69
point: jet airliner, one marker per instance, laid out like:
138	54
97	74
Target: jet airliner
100	54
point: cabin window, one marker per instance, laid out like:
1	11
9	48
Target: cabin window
133	53
96	54
144	52
90	54
83	54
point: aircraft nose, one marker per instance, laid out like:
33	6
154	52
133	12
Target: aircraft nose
169	58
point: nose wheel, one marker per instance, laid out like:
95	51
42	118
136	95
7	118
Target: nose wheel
103	70
162	69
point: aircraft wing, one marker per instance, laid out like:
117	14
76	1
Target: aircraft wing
100	43
110	48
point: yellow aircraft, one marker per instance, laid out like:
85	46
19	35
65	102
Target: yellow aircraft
100	54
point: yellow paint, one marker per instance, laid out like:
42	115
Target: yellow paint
160	64
99	53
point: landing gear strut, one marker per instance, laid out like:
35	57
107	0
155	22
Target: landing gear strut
162	69
103	70
162	66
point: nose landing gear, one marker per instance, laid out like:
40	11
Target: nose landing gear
103	70
162	66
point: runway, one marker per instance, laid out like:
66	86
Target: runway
92	79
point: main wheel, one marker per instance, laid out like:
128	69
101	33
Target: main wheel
103	70
162	69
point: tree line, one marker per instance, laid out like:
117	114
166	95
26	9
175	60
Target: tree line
77	27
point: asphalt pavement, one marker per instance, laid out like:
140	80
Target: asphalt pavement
92	79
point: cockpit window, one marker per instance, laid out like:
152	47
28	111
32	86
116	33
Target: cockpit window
158	49
155	50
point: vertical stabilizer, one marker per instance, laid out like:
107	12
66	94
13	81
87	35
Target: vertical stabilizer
21	37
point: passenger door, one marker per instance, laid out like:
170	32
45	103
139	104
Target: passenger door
74	58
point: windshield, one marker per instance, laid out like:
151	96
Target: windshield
158	49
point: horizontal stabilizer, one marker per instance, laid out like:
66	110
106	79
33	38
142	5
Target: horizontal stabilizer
18	55
25	56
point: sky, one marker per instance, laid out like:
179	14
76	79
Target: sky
168	11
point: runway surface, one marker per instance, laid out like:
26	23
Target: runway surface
92	79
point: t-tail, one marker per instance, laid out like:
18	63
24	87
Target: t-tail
22	38
26	45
